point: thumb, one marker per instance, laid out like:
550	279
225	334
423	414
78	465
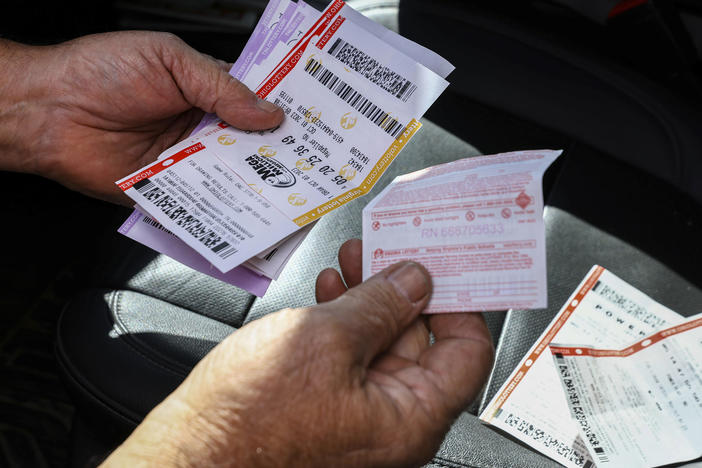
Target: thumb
374	314
205	84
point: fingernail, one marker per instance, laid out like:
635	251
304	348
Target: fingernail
266	106
410	281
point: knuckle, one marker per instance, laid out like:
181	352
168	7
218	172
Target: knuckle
170	39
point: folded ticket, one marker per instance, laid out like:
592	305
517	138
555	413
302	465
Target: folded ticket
639	406
475	224
285	31
604	311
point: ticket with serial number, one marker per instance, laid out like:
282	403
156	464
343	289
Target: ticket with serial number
638	406
603	311
475	224
352	103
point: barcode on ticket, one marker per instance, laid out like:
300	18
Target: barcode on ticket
156	224
180	216
390	81
577	411
362	104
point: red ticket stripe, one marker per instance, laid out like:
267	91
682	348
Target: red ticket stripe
330	32
158	166
293	57
325	17
628	351
270	85
573	303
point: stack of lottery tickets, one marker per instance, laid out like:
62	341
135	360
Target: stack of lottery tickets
235	204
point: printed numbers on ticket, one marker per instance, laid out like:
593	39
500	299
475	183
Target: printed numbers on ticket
475	224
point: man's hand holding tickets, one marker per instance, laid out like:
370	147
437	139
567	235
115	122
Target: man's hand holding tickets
352	381
89	111
353	101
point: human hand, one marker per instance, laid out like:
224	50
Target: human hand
352	381
91	111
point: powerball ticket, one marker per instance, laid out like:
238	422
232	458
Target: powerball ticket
531	406
639	406
475	224
247	190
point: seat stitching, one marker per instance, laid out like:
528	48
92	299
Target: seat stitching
443	462
125	338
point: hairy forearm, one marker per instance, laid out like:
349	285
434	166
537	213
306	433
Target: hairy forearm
22	95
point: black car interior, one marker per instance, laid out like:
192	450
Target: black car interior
617	85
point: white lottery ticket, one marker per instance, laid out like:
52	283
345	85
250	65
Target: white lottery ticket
639	406
475	224
530	405
231	194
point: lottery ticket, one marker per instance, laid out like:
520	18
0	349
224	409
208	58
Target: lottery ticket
604	311
475	224
638	406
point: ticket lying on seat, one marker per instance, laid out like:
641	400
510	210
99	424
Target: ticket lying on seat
531	406
475	224
638	406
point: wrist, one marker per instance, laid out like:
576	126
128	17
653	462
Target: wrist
23	95
174	434
157	441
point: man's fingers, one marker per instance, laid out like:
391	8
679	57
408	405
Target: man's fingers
373	315
206	84
460	359
350	258
329	286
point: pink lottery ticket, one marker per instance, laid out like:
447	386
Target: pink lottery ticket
475	224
